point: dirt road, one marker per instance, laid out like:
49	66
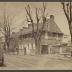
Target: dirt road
37	62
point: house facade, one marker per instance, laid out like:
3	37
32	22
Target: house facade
51	38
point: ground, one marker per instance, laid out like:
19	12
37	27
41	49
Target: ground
37	62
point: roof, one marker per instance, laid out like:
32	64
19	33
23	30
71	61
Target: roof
53	27
49	26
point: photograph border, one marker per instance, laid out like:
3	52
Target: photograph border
30	69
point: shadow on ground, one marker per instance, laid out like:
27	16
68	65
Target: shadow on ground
3	65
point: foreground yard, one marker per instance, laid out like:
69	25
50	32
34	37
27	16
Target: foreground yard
37	62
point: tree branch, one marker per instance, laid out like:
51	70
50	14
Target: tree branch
43	19
67	16
28	11
37	19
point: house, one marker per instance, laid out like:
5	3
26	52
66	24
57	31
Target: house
1	42
13	44
50	40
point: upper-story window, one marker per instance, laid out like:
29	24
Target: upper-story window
60	35
54	34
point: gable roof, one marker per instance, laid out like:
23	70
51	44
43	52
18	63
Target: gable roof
50	26
53	27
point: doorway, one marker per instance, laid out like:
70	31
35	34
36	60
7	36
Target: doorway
44	49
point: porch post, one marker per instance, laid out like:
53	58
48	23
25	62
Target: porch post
60	50
49	49
57	37
40	49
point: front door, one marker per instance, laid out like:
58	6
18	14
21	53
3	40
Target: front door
44	49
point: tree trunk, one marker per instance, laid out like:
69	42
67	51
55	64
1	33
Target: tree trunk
70	29
37	43
71	38
8	45
7	42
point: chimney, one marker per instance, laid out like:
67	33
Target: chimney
51	17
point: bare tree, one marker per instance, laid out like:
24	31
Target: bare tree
67	8
5	29
38	32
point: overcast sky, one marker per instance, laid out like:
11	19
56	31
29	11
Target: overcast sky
18	9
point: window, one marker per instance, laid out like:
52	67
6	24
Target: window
59	35
54	34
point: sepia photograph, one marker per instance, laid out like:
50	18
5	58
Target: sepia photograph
35	35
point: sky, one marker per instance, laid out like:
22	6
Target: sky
17	9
